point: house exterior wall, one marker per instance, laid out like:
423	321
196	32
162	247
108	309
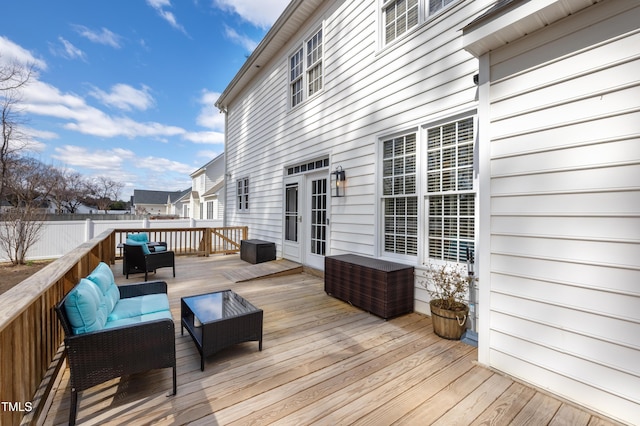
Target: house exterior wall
563	209
370	93
152	209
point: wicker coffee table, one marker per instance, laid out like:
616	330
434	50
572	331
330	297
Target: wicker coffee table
218	320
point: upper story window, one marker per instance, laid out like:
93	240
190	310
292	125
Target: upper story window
305	70
400	16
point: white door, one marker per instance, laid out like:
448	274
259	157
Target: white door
316	228
306	222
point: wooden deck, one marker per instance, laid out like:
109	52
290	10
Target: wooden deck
323	362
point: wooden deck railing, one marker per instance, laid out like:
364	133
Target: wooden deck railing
30	335
182	241
227	240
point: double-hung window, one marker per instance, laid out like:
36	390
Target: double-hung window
242	194
400	196
306	70
450	192
401	16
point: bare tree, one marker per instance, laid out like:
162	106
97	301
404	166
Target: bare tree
13	78
104	191
69	190
27	188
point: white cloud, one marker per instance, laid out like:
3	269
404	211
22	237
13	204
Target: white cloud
43	99
100	160
209	154
68	50
210	118
41	134
261	13
159	6
163	165
33	136
104	36
125	97
204	137
13	53
241	40
209	115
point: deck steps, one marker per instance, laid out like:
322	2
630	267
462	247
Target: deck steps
274	268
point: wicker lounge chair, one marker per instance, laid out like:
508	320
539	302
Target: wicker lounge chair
95	357
136	261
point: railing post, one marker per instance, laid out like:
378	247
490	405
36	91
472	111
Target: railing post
145	223
88	230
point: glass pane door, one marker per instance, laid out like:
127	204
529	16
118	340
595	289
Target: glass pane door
291	213
318	216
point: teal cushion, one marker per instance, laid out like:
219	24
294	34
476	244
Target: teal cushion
140	305
103	277
145	248
142	238
139	319
85	308
159	248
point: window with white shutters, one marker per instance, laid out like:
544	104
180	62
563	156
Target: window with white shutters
450	192
399	195
401	16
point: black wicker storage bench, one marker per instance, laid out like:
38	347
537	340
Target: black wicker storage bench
257	251
380	287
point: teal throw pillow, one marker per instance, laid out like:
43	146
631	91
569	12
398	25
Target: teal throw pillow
85	308
145	247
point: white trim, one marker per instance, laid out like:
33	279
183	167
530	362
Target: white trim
483	214
379	220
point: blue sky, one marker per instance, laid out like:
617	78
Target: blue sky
126	88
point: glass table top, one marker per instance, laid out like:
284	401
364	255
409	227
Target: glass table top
219	305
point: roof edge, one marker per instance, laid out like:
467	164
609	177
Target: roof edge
252	59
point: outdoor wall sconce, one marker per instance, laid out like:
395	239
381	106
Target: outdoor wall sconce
341	177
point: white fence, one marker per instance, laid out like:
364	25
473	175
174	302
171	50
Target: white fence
60	237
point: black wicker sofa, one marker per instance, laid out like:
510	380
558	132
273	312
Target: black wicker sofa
112	331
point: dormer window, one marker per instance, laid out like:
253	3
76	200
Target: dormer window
305	70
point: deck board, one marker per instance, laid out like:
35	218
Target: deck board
323	362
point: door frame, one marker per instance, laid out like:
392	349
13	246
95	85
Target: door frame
300	251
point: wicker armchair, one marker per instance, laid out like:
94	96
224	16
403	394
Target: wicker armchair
98	356
136	261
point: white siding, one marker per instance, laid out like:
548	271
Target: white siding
565	209
368	93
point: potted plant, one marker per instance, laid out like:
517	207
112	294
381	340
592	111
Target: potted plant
448	287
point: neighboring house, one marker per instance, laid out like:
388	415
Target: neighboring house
533	165
559	196
206	199
158	203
